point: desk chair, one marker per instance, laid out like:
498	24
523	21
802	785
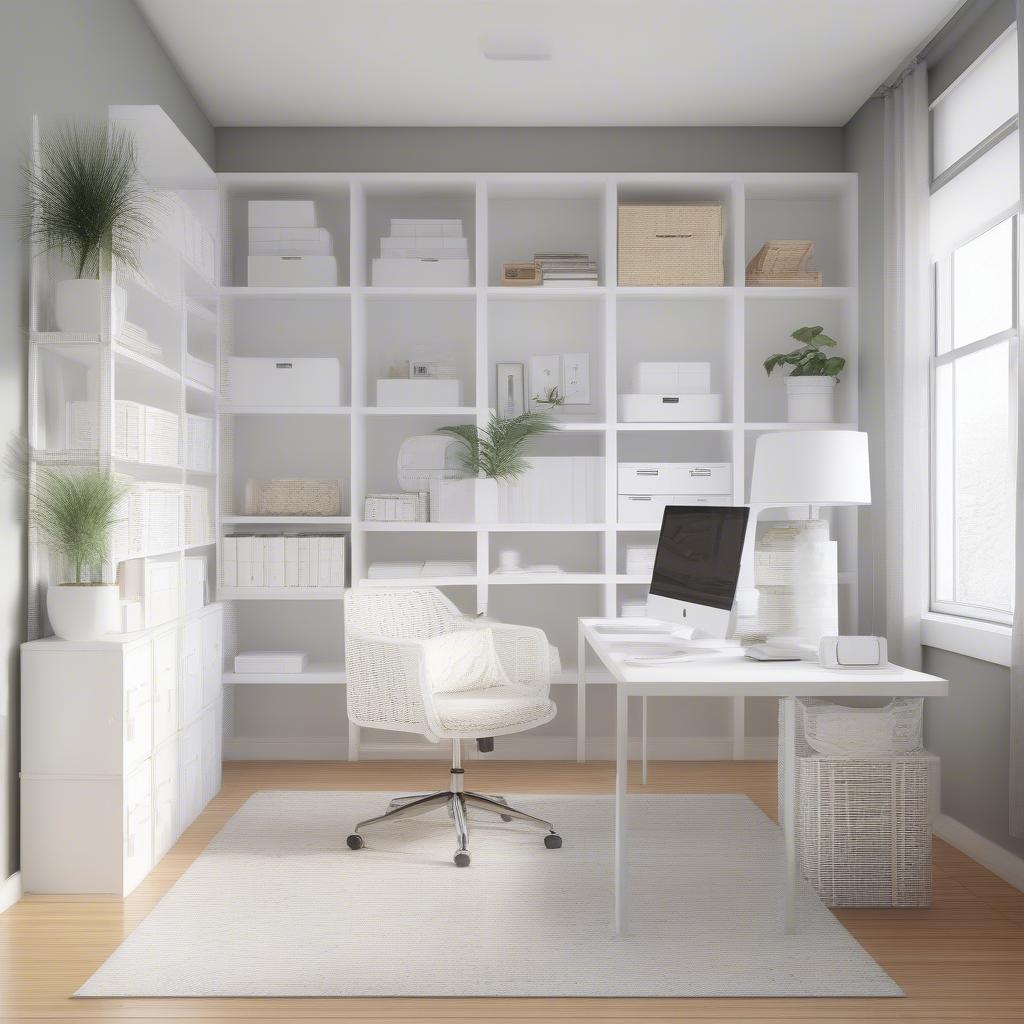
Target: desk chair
414	663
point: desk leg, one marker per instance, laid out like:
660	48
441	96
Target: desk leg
643	737
621	824
581	696
788	811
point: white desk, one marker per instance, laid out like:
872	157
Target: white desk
732	677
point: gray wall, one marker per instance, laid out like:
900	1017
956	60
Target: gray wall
529	149
969	729
58	59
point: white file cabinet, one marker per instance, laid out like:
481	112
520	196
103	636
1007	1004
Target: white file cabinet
121	750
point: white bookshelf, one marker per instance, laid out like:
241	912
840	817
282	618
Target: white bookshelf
508	217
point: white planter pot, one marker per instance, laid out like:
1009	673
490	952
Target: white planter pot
468	500
77	306
485	501
83	612
810	399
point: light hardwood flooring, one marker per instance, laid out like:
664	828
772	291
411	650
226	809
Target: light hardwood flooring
961	960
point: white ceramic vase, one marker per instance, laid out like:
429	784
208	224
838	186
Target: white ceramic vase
77	306
83	612
810	399
485	500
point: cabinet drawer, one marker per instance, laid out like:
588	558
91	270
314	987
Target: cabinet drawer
212	657
211	764
675	478
165	798
165	686
648	508
138	825
191	672
138	704
190	775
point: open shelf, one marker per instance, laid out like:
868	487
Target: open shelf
314	675
280	593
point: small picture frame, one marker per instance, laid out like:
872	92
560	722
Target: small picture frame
511	390
576	378
545	383
519	275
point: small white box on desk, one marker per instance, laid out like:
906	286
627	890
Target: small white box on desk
672	378
282	213
284	662
271	270
420	273
675	477
302	381
670	408
421	392
648	508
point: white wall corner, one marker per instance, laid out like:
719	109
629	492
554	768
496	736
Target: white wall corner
10	892
1008	866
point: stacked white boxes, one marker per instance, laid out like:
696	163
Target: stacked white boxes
671	393
422	253
646	488
278	562
142	433
148	520
286	248
154	584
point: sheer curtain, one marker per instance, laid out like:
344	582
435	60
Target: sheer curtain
906	349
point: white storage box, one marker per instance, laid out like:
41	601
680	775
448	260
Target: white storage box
675	477
195	584
419	273
142	433
640	559
425	227
198	442
197	523
154	584
282	213
272	270
199	371
672	378
405	507
290	242
282	381
422	392
402	246
669	408
648	508
284	662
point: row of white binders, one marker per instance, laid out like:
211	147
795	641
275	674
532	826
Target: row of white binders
153	518
272	562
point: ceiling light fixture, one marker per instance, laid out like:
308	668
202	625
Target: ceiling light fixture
514	44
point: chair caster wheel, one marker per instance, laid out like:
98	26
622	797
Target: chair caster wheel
506	817
355	841
462	859
553	842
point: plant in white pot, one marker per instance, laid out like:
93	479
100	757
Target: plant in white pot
87	204
492	453
74	511
811	382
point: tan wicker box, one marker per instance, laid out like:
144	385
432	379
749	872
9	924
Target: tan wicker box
671	244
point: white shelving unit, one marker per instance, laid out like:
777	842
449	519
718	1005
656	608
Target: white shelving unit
508	217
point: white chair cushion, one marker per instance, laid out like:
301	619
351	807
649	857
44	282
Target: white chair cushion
493	710
465	660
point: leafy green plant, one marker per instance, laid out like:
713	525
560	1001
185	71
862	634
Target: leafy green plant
496	450
809	360
86	199
74	511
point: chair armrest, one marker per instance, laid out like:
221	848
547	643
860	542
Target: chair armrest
386	684
523	653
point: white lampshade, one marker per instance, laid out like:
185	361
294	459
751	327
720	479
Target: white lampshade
811	467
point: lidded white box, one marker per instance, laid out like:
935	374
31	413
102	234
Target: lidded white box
649	508
388	272
672	378
303	381
426	227
420	392
272	270
282	213
675	477
670	408
271	661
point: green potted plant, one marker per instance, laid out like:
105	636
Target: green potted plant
489	454
813	375
74	511
87	203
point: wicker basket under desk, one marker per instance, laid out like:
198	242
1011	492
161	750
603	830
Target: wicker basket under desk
672	244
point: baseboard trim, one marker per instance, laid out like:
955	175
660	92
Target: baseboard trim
10	892
508	748
1008	866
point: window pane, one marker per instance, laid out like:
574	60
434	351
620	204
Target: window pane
974	513
972	109
983	286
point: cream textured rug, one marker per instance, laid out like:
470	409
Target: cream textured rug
277	905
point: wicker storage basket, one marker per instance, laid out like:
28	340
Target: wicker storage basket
671	244
293	498
863	825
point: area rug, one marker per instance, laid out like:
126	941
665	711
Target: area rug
277	905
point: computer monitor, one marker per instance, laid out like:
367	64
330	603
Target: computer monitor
697	567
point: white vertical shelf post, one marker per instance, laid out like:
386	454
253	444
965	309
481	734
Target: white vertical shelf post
609	218
482	374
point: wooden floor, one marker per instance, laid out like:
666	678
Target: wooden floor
962	960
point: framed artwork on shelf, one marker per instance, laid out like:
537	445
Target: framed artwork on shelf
576	378
545	383
511	390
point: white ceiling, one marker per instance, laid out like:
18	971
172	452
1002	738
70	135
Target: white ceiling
613	62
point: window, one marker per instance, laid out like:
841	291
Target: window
975	242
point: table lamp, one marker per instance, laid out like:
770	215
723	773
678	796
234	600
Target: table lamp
801	467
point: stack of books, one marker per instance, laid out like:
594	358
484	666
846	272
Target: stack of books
783	264
567	269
